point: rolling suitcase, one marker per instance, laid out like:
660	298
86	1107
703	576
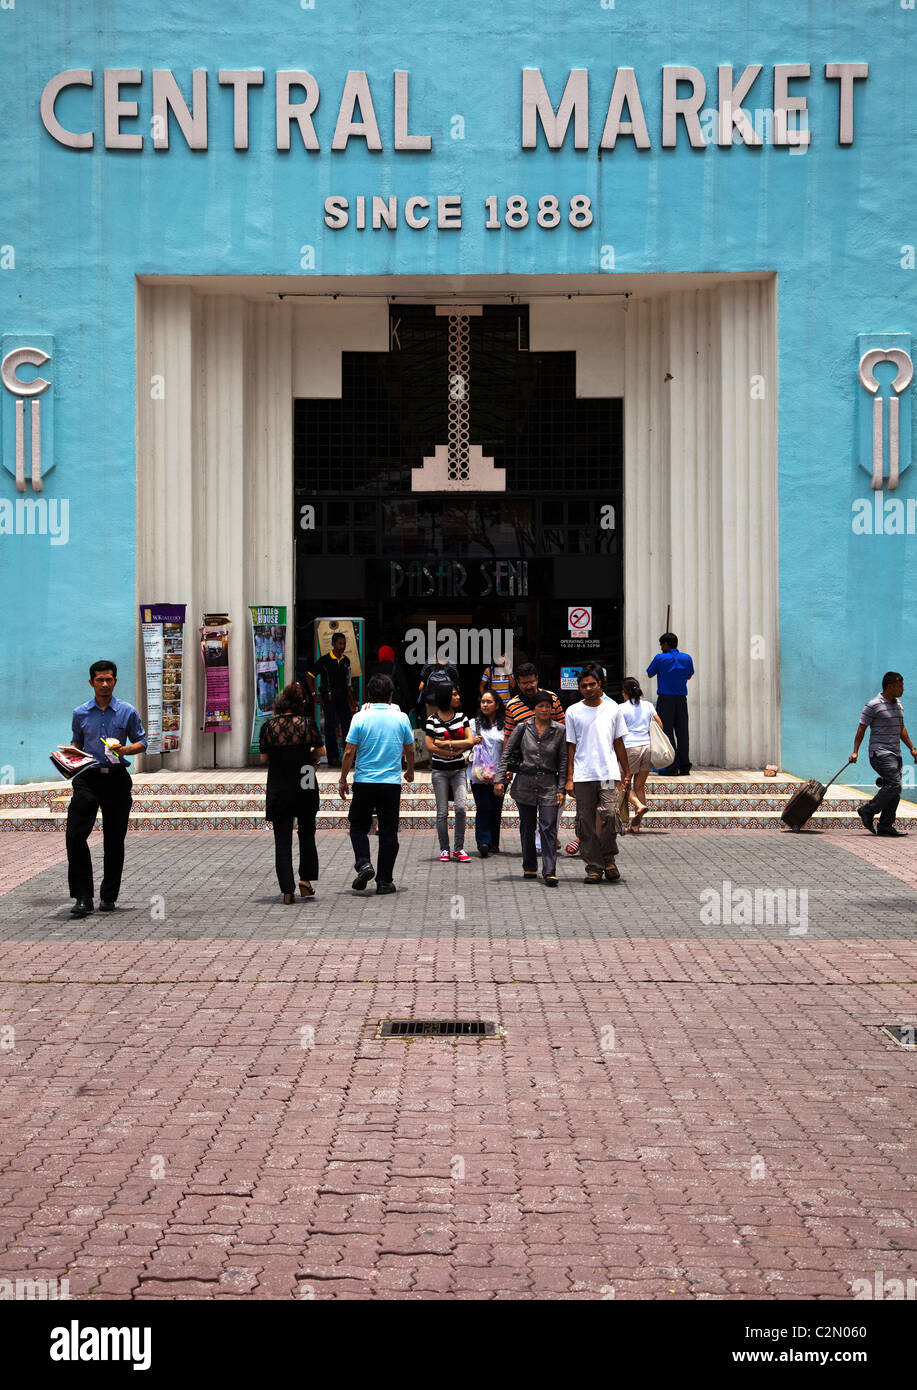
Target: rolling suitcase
803	804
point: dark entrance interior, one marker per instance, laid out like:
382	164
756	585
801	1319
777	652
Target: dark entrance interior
510	560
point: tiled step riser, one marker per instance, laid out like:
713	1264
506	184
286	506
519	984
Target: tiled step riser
663	804
665	787
13	800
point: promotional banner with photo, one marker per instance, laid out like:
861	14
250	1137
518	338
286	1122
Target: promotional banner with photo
215	656
269	636
163	628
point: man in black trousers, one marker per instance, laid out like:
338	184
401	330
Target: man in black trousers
378	738
333	675
107	786
673	669
884	718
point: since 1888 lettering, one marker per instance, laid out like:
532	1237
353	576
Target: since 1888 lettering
373	212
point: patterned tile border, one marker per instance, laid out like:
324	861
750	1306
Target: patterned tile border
12	799
330	804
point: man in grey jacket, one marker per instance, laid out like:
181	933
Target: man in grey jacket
537	752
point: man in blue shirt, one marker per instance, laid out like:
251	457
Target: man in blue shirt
376	740
107	786
673	669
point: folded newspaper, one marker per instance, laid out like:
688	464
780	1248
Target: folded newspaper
69	760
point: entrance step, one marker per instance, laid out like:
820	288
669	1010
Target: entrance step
423	801
234	800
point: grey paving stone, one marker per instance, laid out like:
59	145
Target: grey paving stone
188	887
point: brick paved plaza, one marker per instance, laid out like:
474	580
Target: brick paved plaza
194	1103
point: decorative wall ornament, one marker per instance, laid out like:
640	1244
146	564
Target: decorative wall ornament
458	466
874	350
17	391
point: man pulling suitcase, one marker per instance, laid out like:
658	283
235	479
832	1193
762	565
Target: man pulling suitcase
884	718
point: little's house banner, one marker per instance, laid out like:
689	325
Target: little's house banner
163	629
269	635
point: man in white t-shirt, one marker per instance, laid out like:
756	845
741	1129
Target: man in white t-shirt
596	761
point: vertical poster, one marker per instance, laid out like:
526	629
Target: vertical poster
163	628
215	656
269	634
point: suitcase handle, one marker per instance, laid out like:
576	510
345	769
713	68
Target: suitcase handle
837	774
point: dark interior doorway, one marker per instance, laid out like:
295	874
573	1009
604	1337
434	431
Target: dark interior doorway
514	560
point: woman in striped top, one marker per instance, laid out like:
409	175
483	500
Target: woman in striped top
448	739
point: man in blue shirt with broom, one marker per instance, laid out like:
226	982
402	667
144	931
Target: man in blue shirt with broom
673	669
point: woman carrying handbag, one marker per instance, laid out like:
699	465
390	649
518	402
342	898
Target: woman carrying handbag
488	747
538	748
291	746
643	742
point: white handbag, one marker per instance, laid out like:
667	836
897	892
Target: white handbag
662	753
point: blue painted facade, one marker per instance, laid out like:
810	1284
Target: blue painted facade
837	224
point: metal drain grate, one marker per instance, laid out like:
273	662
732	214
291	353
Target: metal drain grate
435	1028
904	1034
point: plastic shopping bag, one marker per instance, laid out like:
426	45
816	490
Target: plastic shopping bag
661	750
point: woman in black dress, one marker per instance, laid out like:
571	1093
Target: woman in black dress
291	746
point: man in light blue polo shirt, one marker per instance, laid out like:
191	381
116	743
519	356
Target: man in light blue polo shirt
377	739
673	669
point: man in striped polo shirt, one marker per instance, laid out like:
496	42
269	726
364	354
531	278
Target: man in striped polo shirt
884	718
521	708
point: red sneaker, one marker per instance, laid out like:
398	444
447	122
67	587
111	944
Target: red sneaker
461	856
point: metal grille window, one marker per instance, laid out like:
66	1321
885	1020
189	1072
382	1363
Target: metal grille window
524	414
470	527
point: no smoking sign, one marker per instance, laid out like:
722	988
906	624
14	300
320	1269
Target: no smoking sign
579	621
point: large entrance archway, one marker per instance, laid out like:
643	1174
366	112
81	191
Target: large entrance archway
690	361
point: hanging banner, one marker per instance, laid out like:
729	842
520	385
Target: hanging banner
215	656
269	637
163	629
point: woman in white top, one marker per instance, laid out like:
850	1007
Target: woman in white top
488	740
638	715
